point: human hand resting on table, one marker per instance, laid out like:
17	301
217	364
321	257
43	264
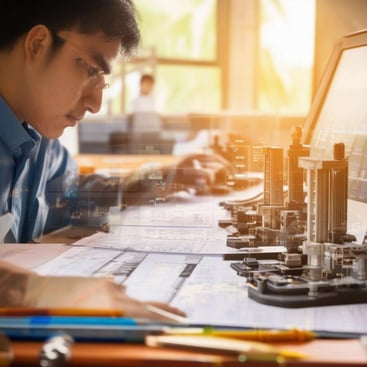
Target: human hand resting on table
20	287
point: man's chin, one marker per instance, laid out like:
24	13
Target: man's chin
53	134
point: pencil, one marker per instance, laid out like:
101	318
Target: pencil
27	311
260	335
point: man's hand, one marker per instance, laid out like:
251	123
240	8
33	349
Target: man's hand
20	287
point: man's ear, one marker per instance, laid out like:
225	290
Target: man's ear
37	41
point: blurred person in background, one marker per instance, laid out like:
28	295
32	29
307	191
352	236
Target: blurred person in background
145	101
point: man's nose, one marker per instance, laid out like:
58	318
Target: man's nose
92	99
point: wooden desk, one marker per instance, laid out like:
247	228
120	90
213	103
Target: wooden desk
122	164
321	353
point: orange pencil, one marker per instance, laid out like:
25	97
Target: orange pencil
28	311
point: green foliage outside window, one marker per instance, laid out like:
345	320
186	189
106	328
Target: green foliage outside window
179	29
180	47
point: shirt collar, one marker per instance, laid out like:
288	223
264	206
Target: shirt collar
19	139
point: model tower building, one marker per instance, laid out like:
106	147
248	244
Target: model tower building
327	194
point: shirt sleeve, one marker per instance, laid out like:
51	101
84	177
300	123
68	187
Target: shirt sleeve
77	199
61	187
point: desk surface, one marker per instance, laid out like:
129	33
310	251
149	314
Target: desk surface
321	353
88	163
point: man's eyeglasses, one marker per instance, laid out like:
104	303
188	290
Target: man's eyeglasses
96	77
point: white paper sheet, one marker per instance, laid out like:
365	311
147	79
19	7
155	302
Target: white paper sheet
31	255
204	286
187	226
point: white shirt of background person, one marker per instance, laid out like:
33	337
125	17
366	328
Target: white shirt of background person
145	102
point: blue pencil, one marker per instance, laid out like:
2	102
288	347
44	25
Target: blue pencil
121	329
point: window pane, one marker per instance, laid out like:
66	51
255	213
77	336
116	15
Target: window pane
286	55
179	89
179	29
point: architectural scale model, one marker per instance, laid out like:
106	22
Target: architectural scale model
319	262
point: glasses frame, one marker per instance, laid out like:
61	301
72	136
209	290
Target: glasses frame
96	76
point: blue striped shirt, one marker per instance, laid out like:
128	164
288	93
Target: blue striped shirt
32	169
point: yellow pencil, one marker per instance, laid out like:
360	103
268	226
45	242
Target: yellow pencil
260	335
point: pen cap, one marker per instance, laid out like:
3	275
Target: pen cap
6	354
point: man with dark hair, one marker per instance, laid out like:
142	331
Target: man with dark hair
54	56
